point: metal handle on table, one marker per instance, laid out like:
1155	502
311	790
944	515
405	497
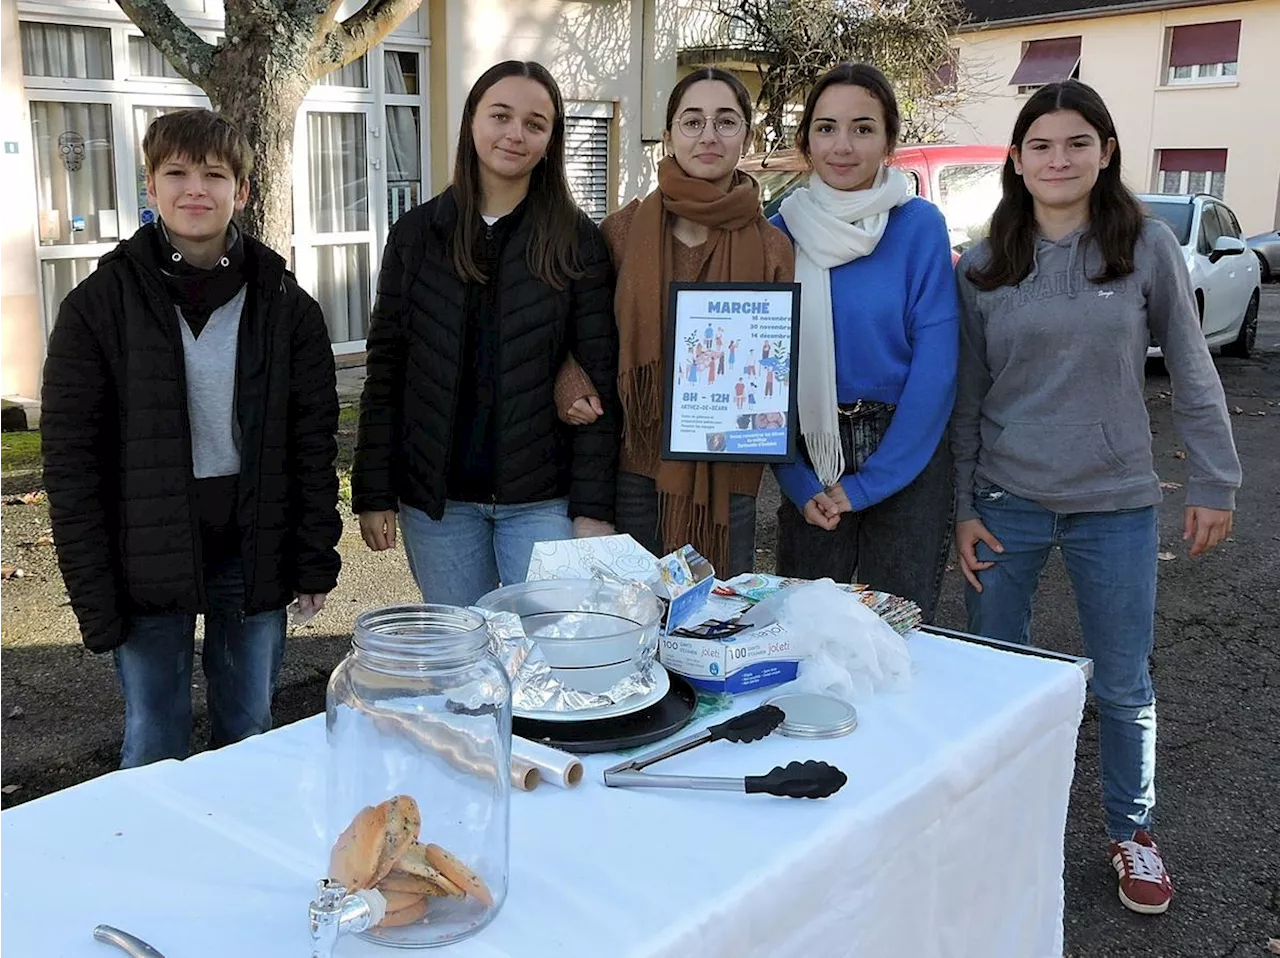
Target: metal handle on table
129	944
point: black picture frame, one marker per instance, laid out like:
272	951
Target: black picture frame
738	292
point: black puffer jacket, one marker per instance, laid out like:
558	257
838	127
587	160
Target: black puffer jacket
415	347
117	445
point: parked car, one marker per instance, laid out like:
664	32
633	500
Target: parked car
1224	274
963	181
1267	247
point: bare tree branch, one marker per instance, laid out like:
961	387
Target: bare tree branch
178	43
792	42
351	39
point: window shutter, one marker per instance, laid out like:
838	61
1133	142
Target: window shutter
1198	43
1193	161
586	151
1047	61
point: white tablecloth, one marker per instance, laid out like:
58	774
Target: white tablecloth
947	841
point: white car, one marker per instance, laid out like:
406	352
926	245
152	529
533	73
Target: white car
1225	275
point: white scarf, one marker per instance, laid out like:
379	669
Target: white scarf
830	227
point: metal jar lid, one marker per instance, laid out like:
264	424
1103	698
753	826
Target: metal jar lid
809	715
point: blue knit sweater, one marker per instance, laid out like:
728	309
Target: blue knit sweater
897	326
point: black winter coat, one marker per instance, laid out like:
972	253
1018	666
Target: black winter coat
117	445
415	347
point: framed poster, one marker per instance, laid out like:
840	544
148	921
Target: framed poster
730	390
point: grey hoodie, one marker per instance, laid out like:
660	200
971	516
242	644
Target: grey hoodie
1050	403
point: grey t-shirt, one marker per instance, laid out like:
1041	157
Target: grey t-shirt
1050	402
210	361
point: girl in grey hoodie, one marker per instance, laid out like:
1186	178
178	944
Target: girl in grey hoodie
1050	434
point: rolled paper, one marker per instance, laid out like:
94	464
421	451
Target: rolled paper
557	767
524	775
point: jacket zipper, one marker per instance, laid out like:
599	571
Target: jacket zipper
197	545
497	365
249	537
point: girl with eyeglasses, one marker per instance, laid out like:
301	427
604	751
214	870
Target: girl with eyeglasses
483	292
871	500
703	223
1051	436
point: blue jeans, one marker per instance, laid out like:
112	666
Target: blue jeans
475	545
1111	558
241	660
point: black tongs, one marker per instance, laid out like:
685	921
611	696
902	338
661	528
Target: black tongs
796	780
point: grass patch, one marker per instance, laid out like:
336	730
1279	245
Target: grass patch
347	418
20	451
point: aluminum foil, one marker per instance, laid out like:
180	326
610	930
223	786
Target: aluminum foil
535	688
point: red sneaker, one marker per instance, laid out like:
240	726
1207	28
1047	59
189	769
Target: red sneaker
1145	886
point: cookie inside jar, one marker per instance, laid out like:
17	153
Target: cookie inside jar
420	882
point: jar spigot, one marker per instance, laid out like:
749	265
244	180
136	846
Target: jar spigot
335	913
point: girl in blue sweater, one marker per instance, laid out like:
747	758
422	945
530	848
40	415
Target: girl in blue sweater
871	498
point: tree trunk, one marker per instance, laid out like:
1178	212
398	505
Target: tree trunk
266	112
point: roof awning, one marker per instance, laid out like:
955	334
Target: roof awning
1197	43
1047	61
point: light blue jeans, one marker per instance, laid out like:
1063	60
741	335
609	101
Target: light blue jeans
475	545
1111	558
241	660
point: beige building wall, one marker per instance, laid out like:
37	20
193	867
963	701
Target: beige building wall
604	51
1123	57
21	333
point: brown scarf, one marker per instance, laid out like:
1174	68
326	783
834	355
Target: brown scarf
693	497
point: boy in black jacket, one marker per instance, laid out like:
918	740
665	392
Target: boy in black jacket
189	414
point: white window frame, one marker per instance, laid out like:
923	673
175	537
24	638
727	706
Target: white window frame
1202	73
420	100
1184	182
306	239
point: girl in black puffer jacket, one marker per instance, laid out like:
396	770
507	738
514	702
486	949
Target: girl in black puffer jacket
482	294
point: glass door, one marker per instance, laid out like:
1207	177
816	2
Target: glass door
78	215
335	225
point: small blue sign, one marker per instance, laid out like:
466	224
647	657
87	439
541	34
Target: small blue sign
147	216
11	146
77	224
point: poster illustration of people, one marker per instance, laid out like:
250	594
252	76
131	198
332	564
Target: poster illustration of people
731	359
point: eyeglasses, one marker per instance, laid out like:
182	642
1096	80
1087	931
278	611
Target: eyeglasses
726	125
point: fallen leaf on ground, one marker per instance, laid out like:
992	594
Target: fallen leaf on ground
1179	454
26	499
10	789
45	541
1236	410
1166	556
1273	945
1165	484
1258	412
17	712
10	572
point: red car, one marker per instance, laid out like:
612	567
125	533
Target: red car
963	181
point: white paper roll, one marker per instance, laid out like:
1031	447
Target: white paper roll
557	767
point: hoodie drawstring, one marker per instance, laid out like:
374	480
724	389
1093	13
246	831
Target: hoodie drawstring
1073	282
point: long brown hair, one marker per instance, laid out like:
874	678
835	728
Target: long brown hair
553	254
1115	215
